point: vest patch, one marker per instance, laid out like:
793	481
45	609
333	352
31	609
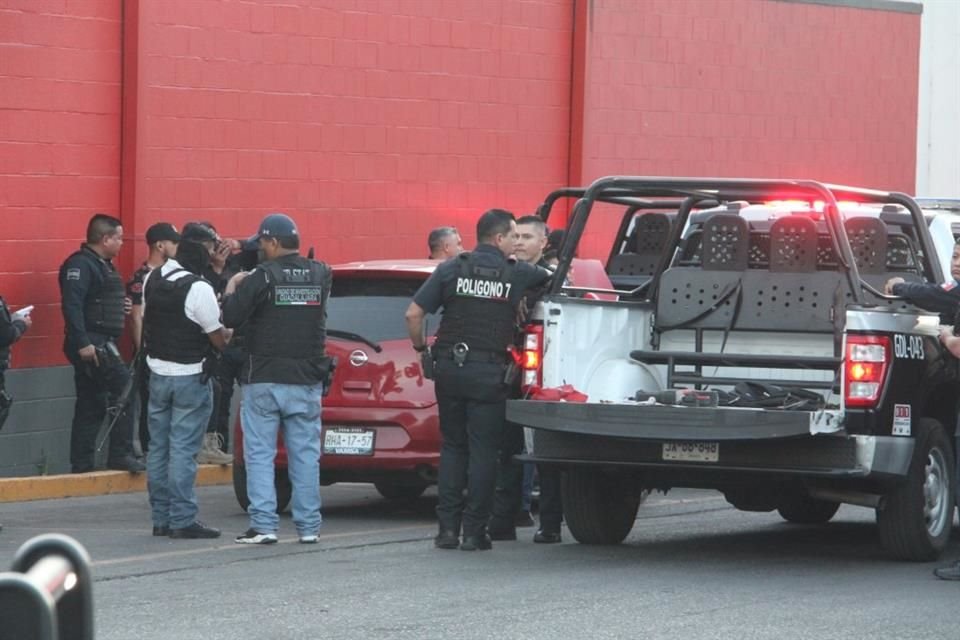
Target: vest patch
492	289
298	296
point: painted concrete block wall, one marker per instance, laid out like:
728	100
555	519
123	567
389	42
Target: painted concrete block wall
59	149
750	88
372	122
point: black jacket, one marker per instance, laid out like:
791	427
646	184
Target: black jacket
939	298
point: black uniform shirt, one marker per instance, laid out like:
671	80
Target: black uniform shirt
939	298
80	277
430	296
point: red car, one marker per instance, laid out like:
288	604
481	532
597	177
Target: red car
380	421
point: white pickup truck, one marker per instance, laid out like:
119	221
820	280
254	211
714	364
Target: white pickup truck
798	384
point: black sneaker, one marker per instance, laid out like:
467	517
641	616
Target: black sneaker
127	463
476	543
447	539
252	536
161	531
194	531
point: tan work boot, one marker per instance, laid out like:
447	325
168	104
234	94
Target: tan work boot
211	453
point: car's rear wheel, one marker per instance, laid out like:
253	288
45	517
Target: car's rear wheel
800	508
281	482
395	491
915	518
599	508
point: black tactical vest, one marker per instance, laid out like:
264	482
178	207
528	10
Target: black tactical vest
168	333
292	322
477	306
103	310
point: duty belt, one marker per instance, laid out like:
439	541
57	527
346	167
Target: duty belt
461	353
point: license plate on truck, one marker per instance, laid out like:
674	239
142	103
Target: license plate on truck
348	441
692	451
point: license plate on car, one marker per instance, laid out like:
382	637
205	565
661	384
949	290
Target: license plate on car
692	451
351	441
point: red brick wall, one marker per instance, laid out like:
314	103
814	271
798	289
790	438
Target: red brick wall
370	122
59	148
750	88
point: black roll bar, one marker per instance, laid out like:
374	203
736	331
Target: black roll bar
696	190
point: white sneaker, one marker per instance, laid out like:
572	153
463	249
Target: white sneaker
252	536
211	453
311	539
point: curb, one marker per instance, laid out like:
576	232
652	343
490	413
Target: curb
97	483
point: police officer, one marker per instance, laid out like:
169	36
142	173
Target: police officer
181	323
480	292
94	305
283	303
939	298
12	327
530	246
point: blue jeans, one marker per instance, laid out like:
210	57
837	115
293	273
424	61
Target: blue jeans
178	413
265	408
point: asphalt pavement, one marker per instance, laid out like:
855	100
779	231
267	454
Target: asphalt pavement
693	567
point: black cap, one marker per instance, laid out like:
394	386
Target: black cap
275	225
199	232
162	231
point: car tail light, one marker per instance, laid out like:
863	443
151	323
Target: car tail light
865	369
532	357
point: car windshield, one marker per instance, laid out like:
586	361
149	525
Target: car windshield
372	306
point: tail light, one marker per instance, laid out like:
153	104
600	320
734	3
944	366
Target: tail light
865	369
532	357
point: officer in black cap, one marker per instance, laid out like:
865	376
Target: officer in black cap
480	292
283	304
94	304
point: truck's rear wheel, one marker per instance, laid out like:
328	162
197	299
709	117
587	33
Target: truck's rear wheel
800	508
916	518
599	508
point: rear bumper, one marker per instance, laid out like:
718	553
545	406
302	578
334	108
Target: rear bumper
406	443
670	422
749	441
